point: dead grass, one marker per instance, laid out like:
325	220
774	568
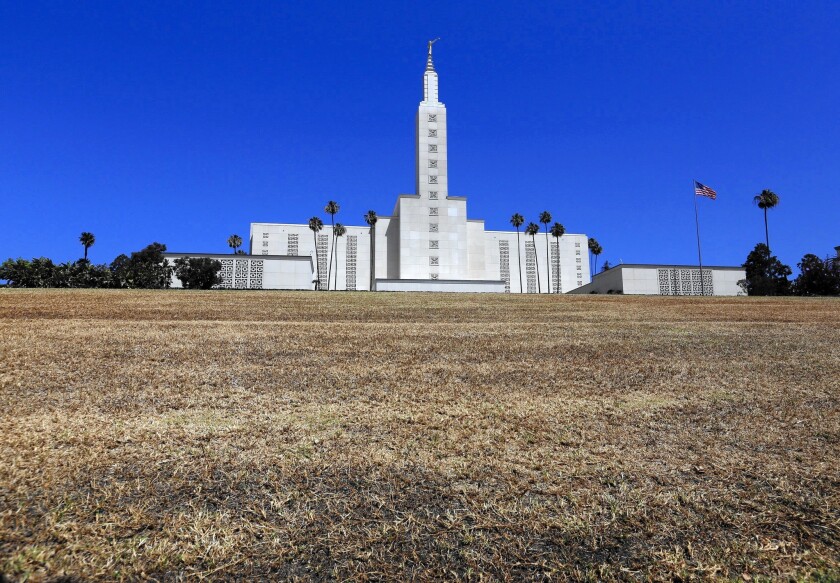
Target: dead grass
182	435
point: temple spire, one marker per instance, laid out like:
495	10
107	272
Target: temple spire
429	65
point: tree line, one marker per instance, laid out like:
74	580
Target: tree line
144	269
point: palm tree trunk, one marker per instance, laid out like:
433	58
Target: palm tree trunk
317	263
332	252
766	231
372	257
557	249
335	287
519	259
86	252
547	258
536	263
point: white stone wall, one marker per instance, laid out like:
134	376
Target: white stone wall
351	264
677	280
573	263
256	272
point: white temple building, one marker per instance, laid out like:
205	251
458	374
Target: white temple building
427	243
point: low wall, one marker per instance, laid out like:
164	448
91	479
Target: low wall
440	285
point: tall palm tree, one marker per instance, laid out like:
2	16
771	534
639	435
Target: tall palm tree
517	221
87	240
339	231
765	201
331	208
557	231
532	229
234	242
545	218
370	219
592	243
316	224
595	249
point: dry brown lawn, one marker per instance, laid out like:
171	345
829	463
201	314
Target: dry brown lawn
258	435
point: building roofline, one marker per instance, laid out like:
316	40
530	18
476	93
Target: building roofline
239	256
665	265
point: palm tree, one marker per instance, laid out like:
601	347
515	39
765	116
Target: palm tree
557	231
370	219
766	200
316	224
532	229
595	249
545	218
339	232
234	242
331	208
87	239
517	221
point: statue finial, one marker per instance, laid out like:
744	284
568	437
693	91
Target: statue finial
429	65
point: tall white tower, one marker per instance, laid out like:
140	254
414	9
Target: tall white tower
433	225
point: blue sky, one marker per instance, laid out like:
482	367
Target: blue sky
182	122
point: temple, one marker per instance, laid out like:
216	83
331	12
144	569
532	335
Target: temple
427	243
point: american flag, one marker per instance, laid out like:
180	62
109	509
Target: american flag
703	190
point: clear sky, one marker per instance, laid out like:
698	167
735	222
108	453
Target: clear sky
183	122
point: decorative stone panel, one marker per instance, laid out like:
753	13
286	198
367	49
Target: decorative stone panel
255	274
433	227
433	211
323	251
350	265
292	245
555	269
432	133
433	195
240	274
530	267
226	274
504	264
434	244
684	282
433	179
433	148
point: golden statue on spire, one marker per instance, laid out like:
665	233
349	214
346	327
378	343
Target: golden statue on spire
431	42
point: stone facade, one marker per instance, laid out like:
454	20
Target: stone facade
428	237
667	280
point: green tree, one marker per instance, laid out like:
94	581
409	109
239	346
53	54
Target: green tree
766	275
817	277
198	272
766	200
532	229
120	271
557	231
545	218
595	249
234	242
145	269
315	225
15	272
331	209
87	240
371	219
339	230
517	221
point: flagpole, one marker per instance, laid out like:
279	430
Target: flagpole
699	255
